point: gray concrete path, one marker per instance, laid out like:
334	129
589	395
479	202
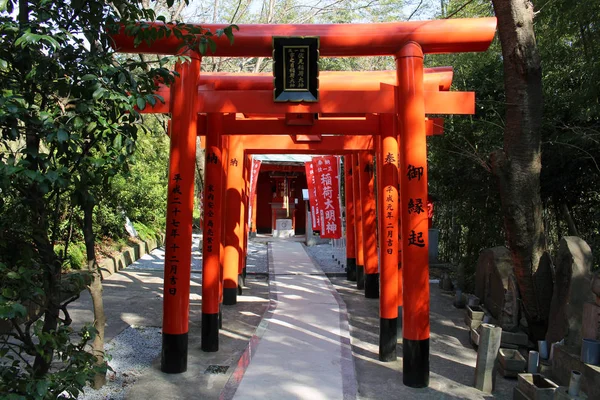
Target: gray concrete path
304	352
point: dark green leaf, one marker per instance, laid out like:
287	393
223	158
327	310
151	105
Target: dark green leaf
141	103
62	135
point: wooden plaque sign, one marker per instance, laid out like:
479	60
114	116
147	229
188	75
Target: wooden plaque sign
296	69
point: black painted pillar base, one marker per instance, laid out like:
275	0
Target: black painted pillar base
399	322
351	269
360	277
230	296
210	332
241	283
372	286
387	339
173	357
220	317
415	363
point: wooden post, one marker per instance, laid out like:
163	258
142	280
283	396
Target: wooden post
211	241
180	203
350	239
233	220
360	257
367	196
413	189
388	237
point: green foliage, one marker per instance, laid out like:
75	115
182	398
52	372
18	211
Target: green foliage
467	210
69	128
144	232
75	257
19	381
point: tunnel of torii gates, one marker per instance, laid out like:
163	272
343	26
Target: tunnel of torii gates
357	115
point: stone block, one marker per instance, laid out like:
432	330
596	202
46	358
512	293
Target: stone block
489	343
572	290
562	393
519	395
474	336
475	312
107	267
283	228
590	328
472	323
511	360
515	338
506	373
536	387
566	359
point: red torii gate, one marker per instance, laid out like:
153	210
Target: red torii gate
408	100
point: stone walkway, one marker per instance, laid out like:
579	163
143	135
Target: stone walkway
304	352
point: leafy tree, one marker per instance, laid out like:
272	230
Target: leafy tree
69	122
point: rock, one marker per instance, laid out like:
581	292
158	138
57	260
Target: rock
509	318
590	328
446	282
572	291
596	287
491	277
496	286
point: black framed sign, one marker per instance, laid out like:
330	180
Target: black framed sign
295	69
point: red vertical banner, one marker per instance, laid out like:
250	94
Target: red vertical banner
253	180
313	198
327	183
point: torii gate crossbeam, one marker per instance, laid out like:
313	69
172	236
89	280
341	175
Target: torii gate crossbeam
409	99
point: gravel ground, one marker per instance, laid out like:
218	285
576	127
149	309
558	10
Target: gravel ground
131	352
134	349
330	259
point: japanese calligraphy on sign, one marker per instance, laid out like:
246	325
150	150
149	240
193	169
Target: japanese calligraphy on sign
312	194
253	180
173	223
327	183
295	69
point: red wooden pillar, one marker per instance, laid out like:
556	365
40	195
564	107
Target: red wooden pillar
388	237
350	239
413	189
223	187
233	220
369	227
360	256
180	204
211	241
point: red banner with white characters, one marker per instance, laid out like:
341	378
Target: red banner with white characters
327	184
253	180
312	195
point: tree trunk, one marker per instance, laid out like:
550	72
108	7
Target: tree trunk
517	166
95	288
566	213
